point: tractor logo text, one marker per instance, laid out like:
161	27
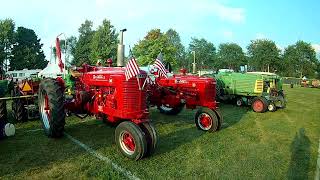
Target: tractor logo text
99	77
178	81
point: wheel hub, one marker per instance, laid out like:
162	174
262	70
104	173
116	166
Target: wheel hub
205	121
127	143
258	105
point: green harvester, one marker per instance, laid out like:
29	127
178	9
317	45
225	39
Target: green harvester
262	90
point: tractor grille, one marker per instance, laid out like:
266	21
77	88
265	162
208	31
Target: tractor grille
133	98
210	91
259	86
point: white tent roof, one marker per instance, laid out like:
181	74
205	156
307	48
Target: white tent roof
52	70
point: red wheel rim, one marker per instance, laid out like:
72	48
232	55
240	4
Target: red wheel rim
258	105
205	121
128	142
47	106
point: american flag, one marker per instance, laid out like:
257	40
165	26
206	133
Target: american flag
159	65
132	69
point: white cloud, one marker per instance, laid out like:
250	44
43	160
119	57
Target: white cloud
227	34
316	47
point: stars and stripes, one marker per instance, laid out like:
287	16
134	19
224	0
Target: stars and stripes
132	69
161	68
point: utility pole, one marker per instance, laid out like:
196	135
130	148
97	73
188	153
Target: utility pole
194	67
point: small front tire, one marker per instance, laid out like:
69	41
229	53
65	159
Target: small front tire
206	120
130	140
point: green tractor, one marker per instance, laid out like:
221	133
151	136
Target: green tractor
262	90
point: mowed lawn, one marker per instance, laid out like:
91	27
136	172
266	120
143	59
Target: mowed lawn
273	145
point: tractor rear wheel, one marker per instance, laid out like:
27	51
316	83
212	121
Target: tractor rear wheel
259	104
3	111
165	109
51	107
19	113
131	140
206	120
151	137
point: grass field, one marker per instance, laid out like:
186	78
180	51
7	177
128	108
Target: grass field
278	145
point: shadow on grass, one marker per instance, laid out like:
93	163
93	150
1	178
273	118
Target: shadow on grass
232	114
177	138
300	156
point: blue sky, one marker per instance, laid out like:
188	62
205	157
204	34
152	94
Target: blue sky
218	21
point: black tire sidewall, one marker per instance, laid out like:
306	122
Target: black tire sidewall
138	136
212	114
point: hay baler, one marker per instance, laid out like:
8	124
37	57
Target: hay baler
170	95
263	91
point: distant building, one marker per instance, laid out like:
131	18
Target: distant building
22	74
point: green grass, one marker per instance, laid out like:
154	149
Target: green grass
272	145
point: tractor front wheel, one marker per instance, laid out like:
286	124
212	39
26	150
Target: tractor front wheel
51	107
206	120
259	104
131	140
165	109
151	136
272	107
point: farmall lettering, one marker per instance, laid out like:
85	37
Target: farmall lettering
99	76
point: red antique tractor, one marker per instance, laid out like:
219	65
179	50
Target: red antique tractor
105	93
171	94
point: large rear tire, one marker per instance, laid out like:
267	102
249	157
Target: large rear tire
3	111
130	140
259	104
19	113
171	110
207	120
151	137
51	107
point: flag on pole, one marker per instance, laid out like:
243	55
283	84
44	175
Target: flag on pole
58	53
159	65
132	69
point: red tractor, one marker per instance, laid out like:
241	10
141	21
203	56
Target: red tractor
105	93
171	94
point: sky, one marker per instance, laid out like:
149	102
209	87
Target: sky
218	21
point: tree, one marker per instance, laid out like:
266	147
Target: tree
104	43
174	39
153	43
230	55
6	41
300	59
205	52
83	49
27	51
264	55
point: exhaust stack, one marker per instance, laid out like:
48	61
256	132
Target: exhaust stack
120	52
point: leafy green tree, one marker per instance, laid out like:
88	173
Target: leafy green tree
180	55
205	53
6	41
104	43
83	46
300	60
153	43
27	51
264	55
230	55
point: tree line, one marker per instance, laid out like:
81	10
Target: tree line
296	60
19	48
